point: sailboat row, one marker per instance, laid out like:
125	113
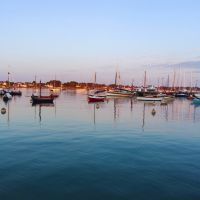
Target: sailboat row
96	95
118	91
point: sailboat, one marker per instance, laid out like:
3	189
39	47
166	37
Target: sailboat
7	96
145	96
16	92
54	88
119	92
96	95
41	99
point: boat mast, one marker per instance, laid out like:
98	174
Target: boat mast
40	88
174	80
8	80
190	82
95	78
119	80
54	82
168	81
116	79
35	84
145	78
132	85
179	79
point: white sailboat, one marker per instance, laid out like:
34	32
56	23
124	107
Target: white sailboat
7	96
119	92
96	95
145	97
55	89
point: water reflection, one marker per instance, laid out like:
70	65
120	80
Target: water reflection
73	106
40	106
117	102
143	117
196	109
96	106
6	107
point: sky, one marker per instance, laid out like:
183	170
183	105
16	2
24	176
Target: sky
74	39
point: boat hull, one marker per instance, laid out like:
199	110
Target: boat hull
197	96
98	93
16	93
149	98
92	99
42	99
116	94
181	95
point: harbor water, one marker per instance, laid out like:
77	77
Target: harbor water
112	150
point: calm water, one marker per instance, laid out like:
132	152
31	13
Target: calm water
113	150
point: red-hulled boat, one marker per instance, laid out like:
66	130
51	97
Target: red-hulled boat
94	98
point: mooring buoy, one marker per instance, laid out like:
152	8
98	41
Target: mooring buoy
153	112
3	111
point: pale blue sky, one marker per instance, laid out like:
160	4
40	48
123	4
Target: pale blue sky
73	39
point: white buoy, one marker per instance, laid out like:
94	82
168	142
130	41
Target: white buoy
3	111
